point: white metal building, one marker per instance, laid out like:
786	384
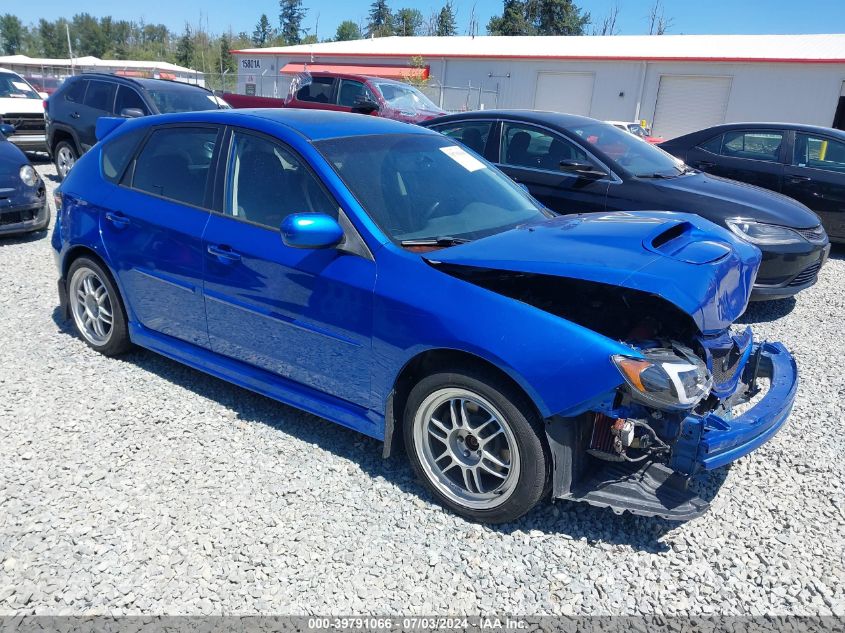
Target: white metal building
61	68
678	83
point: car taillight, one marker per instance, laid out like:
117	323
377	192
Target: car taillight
45	105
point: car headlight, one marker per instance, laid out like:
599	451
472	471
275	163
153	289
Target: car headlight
762	233
666	378
28	176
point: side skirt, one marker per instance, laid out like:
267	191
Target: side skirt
260	381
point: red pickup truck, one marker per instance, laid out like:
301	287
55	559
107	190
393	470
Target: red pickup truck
349	93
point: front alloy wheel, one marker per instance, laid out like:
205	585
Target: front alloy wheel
478	444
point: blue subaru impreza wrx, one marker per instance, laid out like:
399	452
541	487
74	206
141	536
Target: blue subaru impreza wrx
383	277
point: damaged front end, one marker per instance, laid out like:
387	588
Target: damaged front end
693	395
639	453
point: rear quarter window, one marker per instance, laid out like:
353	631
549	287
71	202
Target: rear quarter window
118	152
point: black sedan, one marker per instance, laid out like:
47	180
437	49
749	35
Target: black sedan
804	162
574	164
23	199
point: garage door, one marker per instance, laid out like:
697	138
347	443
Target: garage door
686	104
564	92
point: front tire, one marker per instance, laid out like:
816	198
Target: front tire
66	157
477	444
96	308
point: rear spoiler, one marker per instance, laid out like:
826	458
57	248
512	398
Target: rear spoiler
106	125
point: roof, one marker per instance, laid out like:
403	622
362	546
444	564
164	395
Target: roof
24	60
736	48
765	125
558	119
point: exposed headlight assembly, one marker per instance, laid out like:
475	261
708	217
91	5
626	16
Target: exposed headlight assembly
28	176
667	378
763	234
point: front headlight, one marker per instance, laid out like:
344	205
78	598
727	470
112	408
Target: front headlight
28	176
761	233
666	378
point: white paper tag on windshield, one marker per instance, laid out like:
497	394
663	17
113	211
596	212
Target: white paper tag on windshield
21	86
463	158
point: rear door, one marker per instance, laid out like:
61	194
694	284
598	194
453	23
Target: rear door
752	156
153	229
319	94
99	101
816	177
531	156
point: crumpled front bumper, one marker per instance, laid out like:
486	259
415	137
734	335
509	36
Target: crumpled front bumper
714	440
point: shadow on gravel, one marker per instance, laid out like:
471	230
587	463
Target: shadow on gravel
766	311
23	238
565	519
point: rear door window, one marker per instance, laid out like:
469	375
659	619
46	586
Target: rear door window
819	152
100	95
754	145
76	91
175	163
318	91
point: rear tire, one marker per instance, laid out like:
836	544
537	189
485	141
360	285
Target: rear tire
477	444
96	308
65	158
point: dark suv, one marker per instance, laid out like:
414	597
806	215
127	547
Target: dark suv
72	111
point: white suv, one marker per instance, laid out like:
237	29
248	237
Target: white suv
22	107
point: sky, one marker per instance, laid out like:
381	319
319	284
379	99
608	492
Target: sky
688	16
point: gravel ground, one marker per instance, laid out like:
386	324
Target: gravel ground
141	486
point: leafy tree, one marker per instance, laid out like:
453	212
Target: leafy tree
347	30
12	34
185	48
263	32
407	22
88	35
381	20
291	14
446	23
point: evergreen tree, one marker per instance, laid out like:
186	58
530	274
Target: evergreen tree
407	22
227	60
347	30
11	34
381	20
539	17
446	25
185	48
511	22
291	14
263	32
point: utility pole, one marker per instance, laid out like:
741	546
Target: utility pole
69	49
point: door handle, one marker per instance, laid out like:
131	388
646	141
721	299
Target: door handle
224	253
799	178
705	164
74	115
119	220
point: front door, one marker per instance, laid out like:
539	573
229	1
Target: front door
816	177
153	230
532	156
304	314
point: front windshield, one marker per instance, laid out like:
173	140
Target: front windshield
638	158
404	97
426	187
13	87
182	99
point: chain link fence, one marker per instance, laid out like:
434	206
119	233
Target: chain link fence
461	98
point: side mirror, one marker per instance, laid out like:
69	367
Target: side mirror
585	170
131	113
6	129
365	106
311	230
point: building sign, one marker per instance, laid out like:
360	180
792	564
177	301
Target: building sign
250	90
251	64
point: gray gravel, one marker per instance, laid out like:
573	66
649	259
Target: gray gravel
141	486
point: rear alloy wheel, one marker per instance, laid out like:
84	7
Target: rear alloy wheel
66	157
96	309
477	445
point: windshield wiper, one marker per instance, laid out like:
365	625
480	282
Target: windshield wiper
658	176
435	241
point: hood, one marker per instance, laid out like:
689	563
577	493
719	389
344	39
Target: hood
688	261
712	195
26	106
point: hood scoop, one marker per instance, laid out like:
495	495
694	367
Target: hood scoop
684	242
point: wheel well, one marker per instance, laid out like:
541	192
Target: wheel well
63	135
83	251
422	365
